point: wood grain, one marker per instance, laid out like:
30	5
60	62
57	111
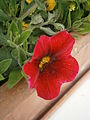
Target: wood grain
66	96
20	103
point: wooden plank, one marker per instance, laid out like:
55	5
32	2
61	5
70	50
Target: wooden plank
66	96
21	104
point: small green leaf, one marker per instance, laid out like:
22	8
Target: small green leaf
41	6
20	26
25	45
85	28
14	27
37	19
21	56
53	17
59	26
87	6
1	77
24	75
3	16
47	30
4	53
3	40
14	77
50	16
24	36
14	53
4	65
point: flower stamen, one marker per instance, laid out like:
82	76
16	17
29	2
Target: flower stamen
44	61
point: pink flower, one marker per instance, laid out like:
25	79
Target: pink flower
52	64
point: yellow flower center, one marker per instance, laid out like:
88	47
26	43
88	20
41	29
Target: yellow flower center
51	4
28	1
72	6
44	61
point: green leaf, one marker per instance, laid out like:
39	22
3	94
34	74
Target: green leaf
24	75
53	17
50	16
1	77
13	7
13	3
87	18
87	6
20	26
3	40
47	30
14	27
21	56
4	5
36	19
24	36
4	65
77	14
59	26
14	54
4	53
14	77
33	39
41	6
85	28
3	16
25	45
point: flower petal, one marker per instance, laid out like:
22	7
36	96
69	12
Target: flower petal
42	47
62	44
32	71
65	69
47	86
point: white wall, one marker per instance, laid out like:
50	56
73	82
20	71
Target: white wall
77	106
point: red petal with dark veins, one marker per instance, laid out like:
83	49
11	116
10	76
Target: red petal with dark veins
54	75
32	71
47	86
62	44
42	47
66	69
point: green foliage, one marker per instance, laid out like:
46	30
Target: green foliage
14	77
41	6
37	19
3	40
4	65
17	41
3	16
4	53
1	77
24	36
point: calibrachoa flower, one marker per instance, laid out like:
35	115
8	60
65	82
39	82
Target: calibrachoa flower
51	64
51	4
24	25
28	1
72	6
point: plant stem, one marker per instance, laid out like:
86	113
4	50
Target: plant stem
22	7
29	11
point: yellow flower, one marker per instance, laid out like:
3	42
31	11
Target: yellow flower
72	6
24	25
51	4
28	1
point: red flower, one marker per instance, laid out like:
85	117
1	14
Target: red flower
51	64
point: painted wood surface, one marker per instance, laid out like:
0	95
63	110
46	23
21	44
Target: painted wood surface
21	104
